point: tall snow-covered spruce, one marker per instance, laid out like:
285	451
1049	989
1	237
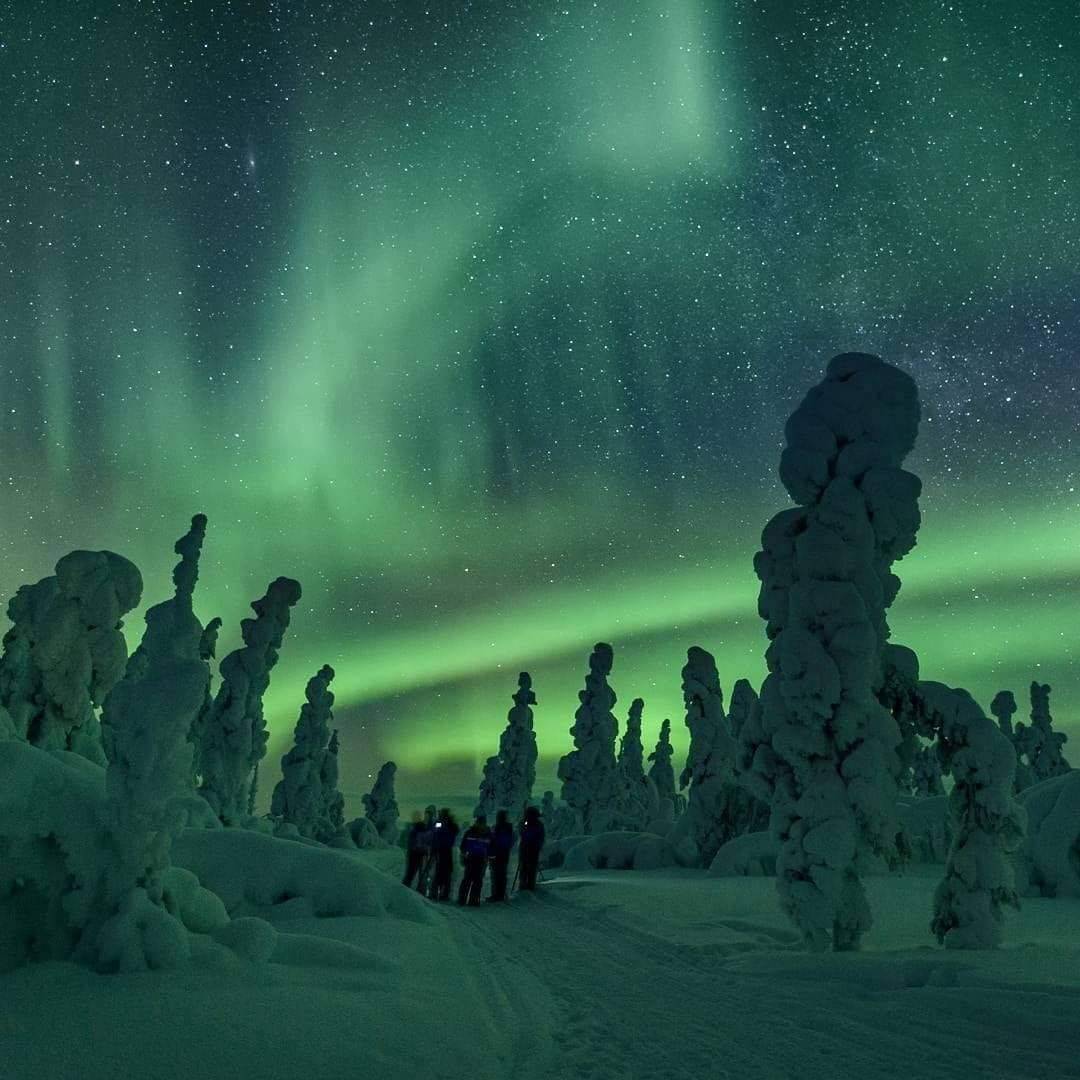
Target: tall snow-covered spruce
588	771
635	798
661	771
715	805
509	775
65	650
988	825
300	798
145	723
234	731
822	748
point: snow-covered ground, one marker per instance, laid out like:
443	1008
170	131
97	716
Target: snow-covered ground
665	975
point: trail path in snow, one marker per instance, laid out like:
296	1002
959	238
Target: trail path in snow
592	981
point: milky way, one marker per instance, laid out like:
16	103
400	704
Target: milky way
483	321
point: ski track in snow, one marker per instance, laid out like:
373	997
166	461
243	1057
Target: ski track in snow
630	1003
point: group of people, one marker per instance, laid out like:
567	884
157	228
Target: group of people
429	854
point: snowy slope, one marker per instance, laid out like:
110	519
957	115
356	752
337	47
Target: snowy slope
606	974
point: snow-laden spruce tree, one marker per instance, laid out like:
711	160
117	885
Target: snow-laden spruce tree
208	651
509	776
559	819
299	798
661	771
234	732
333	801
65	650
636	799
1003	708
821	747
744	700
145	723
380	806
926	772
588	772
717	809
1044	750
988	825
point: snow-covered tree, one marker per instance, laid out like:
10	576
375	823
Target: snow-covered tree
744	700
717	808
380	806
661	772
509	775
1003	708
299	798
821	747
234	732
1044	752
208	651
588	772
145	723
333	801
926	772
559	819
988	825
636	800
65	650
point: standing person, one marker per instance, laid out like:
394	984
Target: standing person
415	853
502	843
418	850
423	882
442	846
475	848
532	843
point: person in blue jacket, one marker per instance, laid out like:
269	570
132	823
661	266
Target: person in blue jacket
532	843
502	843
475	849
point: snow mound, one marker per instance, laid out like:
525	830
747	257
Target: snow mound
254	873
619	851
750	855
1049	861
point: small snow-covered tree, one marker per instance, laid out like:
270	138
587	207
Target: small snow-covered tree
717	808
559	819
661	772
333	812
208	651
299	797
380	806
588	772
65	650
636	800
145	723
988	825
926	772
744	700
509	775
234	733
1003	708
1044	754
821	747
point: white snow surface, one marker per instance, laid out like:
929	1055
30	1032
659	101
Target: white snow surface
560	983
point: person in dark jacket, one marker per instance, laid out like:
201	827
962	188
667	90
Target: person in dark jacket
532	843
475	849
502	843
442	847
418	849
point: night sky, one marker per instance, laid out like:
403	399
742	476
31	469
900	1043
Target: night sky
483	319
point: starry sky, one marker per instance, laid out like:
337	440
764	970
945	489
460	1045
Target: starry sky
483	319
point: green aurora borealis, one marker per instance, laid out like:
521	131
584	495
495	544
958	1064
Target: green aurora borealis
483	321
